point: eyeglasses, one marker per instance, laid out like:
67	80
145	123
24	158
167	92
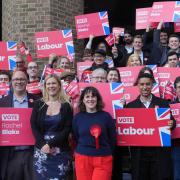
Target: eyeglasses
19	80
32	67
4	79
20	62
98	77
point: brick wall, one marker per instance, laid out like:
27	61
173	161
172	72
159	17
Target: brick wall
22	18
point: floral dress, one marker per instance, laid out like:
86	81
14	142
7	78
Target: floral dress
55	166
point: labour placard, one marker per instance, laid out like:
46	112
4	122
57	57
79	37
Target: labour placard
58	42
15	127
96	24
143	127
165	11
8	55
175	109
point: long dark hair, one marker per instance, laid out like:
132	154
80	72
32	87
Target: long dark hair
95	93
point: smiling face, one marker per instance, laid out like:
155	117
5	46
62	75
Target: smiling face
113	76
64	63
19	82
145	86
52	87
174	43
90	102
134	61
137	44
98	58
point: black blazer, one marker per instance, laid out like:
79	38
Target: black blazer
163	153
65	125
7	151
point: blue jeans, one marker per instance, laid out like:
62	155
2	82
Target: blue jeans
176	162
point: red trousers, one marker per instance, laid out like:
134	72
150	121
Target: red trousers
93	168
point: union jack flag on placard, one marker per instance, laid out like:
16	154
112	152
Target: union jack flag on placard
165	134
103	15
162	113
105	27
176	16
116	88
67	33
11	46
116	104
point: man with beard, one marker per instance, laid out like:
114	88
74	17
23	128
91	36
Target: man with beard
121	52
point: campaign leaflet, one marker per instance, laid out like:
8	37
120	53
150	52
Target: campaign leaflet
143	127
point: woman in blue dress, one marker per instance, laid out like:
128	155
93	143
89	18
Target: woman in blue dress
51	122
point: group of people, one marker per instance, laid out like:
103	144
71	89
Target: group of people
88	137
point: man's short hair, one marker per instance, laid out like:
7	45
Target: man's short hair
171	53
174	36
7	73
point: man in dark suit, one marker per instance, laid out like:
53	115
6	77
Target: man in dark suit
150	162
16	161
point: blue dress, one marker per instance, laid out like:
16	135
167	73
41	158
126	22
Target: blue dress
55	166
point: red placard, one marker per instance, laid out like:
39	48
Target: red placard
94	23
7	55
176	27
58	42
175	109
34	88
81	66
72	89
129	75
165	75
165	11
48	71
4	89
142	17
111	93
110	39
132	92
143	127
15	127
117	31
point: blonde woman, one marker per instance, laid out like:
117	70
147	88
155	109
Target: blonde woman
51	124
134	60
64	63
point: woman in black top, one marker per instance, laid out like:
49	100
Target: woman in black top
51	124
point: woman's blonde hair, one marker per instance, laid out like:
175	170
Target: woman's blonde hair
131	57
62	96
59	61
